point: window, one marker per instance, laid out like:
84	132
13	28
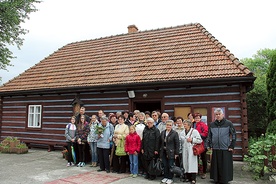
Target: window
34	117
182	111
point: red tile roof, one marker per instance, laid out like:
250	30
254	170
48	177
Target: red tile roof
186	52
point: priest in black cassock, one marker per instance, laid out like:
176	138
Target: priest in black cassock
221	139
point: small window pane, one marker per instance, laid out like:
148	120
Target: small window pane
31	109
38	109
31	120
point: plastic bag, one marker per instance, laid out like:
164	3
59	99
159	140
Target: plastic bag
120	149
155	167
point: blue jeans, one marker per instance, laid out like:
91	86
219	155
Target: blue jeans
133	166
167	165
94	155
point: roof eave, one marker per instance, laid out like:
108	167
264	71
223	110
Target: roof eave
248	81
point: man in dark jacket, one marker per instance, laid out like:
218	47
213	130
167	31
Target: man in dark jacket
221	139
82	112
150	146
78	120
131	119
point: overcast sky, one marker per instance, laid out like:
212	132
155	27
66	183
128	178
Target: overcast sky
243	26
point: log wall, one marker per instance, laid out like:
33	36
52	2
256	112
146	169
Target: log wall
57	110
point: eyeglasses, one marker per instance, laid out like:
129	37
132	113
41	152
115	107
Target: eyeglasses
164	116
154	115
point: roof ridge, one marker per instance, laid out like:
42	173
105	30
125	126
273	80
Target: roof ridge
226	51
143	31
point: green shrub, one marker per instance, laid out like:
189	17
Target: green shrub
22	145
258	151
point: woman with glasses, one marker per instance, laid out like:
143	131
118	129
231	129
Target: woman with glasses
150	146
120	132
202	128
169	150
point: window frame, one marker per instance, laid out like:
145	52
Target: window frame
35	114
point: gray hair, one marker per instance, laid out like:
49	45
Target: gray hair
104	118
170	121
218	110
188	122
150	119
165	114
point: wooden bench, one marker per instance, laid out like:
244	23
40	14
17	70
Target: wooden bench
50	145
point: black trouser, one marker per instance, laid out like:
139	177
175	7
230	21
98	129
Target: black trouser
119	163
204	161
81	148
140	163
103	157
191	176
146	163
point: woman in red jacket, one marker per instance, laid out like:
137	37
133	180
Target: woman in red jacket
132	148
202	128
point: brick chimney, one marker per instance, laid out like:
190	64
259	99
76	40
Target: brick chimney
132	29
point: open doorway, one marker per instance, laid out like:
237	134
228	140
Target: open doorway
147	106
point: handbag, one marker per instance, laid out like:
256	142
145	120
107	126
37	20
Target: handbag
197	148
120	149
178	171
155	167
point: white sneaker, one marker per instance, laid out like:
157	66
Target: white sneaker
164	180
169	181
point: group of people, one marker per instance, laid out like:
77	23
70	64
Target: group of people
133	139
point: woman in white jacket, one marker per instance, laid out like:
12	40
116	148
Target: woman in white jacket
189	136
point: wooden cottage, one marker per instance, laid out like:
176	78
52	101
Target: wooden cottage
177	70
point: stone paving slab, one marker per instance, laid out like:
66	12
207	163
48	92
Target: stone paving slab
39	167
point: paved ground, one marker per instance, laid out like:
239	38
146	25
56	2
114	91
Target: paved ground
39	166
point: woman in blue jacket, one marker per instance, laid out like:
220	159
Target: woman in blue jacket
103	144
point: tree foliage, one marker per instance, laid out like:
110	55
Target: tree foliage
257	98
271	95
12	14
